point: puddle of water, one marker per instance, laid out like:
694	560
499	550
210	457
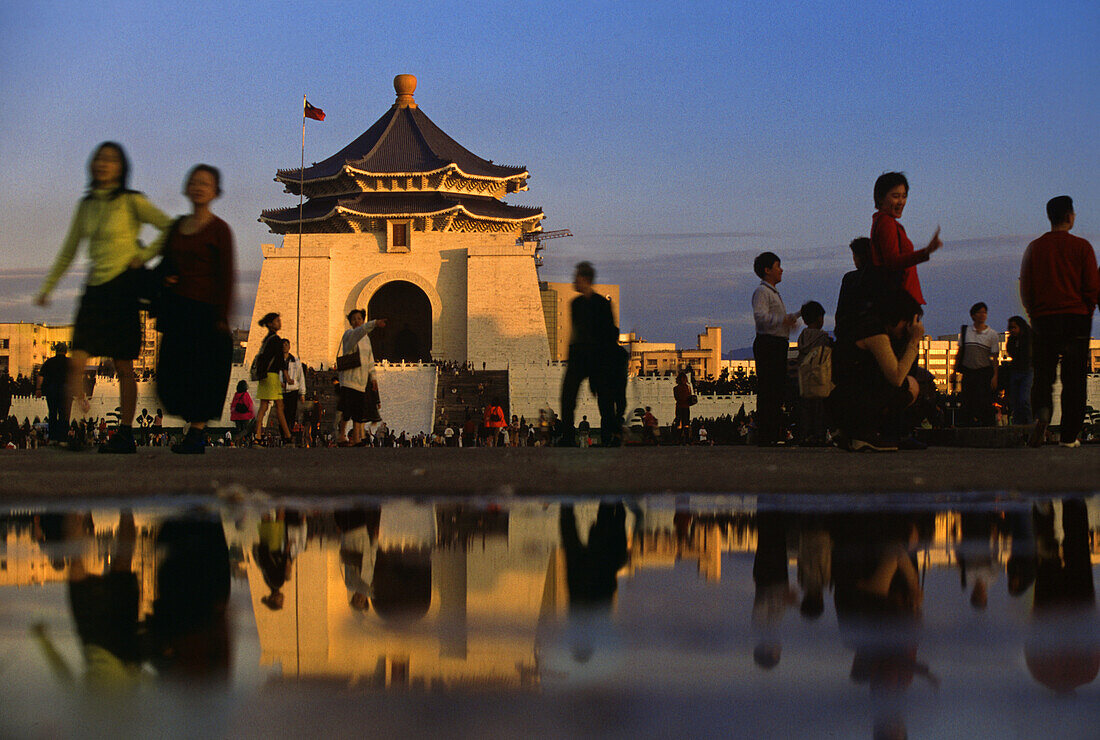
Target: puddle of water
553	617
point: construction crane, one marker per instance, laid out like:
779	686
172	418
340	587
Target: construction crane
539	237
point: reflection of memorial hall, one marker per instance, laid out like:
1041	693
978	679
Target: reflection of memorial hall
458	596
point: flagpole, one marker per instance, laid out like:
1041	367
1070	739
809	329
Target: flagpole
301	200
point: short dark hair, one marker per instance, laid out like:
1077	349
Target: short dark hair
886	182
861	250
61	348
359	311
1059	209
812	311
267	319
977	307
897	305
212	170
763	261
586	271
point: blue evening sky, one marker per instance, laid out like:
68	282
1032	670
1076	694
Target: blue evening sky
675	140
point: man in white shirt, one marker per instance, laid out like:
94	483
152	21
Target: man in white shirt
773	330
976	359
353	402
294	385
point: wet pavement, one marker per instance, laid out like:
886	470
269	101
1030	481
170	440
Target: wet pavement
27	476
837	615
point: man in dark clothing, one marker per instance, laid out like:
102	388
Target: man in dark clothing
860	289
52	377
1059	287
592	355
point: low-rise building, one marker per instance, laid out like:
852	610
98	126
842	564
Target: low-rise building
25	346
660	358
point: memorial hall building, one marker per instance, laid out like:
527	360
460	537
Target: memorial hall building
409	225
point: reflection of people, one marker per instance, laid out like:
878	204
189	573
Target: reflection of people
358	546
878	597
815	565
105	607
189	626
273	557
196	350
1063	651
977	555
773	594
401	581
591	568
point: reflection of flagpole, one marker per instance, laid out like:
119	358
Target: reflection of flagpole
301	199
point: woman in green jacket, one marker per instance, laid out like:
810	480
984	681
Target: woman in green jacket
107	323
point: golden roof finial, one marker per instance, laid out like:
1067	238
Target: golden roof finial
405	86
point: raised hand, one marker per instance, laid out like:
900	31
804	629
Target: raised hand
935	242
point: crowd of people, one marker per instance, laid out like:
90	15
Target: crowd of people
859	387
863	383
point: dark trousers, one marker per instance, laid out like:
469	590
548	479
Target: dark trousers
1064	339
976	397
770	354
585	363
290	408
58	404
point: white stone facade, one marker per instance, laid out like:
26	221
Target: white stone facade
482	288
536	386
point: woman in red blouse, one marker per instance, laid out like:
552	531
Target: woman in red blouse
890	247
196	347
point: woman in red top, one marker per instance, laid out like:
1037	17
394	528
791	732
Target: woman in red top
196	350
890	247
494	422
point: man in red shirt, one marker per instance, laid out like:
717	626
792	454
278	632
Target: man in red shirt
1059	285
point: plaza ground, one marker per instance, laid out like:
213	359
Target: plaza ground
35	477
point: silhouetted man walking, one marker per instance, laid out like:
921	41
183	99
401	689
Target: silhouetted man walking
592	355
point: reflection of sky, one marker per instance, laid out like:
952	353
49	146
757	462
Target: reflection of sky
729	119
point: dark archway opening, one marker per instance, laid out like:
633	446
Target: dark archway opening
407	336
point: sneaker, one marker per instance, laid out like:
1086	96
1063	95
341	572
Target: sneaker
1071	445
872	445
120	443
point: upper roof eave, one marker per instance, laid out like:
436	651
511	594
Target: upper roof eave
285	176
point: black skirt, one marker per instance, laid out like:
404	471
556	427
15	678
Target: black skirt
195	359
107	321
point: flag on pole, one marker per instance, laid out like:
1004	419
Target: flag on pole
313	112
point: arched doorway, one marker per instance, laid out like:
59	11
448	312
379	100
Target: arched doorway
407	336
